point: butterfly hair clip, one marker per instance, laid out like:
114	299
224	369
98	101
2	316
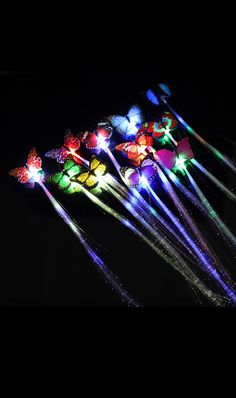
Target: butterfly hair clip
151	128
62	179
71	145
162	92
167	123
136	151
31	172
95	139
127	125
175	160
137	176
91	177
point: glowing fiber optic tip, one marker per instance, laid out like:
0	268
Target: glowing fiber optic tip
35	173
101	181
102	142
180	162
144	181
129	206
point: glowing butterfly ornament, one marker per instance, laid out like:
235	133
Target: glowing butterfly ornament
71	145
162	129
139	176
136	151
63	178
175	160
31	172
152	97
92	177
162	92
127	125
150	128
165	89
99	137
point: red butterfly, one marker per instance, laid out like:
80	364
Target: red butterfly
33	165
71	143
136	151
158	129
92	139
169	158
151	128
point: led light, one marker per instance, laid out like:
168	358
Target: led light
72	152
101	181
35	173
143	181
102	143
37	177
180	163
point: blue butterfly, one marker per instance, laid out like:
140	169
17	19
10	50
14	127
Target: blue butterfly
127	125
153	98
166	89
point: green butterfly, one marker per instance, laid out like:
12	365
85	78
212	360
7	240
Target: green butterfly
62	178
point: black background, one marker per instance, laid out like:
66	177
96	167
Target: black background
42	262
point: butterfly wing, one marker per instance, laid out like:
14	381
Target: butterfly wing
61	180
34	160
56	177
135	116
148	169
125	146
104	129
86	178
91	141
120	123
184	149
21	173
151	96
59	154
82	177
97	167
70	141
166	158
131	175
144	139
156	129
91	182
132	150
169	121
71	167
127	125
166	89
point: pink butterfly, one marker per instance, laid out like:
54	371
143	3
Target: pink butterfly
169	158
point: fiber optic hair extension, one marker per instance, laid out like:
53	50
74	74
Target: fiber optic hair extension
33	173
162	94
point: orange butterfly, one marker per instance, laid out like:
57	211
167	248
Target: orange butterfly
137	150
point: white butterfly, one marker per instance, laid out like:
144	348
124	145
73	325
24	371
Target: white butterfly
129	124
